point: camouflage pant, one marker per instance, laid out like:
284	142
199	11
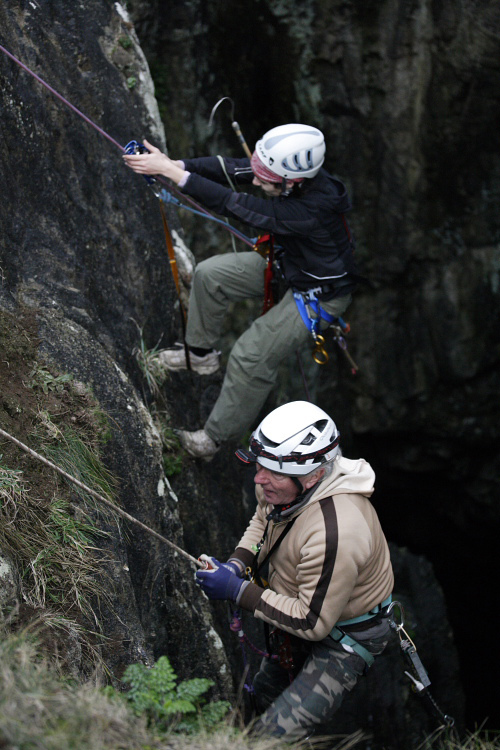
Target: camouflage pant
293	710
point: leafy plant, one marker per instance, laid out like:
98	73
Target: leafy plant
172	464
154	693
42	378
125	42
172	450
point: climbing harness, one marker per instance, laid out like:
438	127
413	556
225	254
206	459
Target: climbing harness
368	615
339	635
308	301
349	644
264	245
418	675
115	508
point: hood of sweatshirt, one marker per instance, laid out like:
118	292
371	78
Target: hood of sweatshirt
348	476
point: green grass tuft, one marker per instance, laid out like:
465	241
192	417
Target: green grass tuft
54	550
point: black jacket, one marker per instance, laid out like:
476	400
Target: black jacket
308	223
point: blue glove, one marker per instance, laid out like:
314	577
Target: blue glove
219	582
235	567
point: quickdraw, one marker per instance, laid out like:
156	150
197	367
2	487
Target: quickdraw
307	301
418	674
339	339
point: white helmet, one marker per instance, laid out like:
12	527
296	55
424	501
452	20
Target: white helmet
292	151
293	439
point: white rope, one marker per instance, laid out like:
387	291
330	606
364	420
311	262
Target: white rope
101	498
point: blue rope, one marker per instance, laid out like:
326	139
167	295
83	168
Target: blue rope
167	197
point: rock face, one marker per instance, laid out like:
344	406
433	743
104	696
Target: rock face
407	94
79	253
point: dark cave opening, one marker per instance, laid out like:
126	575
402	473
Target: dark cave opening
415	516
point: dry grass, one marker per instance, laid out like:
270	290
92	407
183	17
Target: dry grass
54	550
39	709
479	740
75	453
147	359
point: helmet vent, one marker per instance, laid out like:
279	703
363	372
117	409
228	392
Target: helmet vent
265	441
308	440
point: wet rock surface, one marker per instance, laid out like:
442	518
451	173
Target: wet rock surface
410	113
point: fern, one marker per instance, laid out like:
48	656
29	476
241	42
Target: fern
154	693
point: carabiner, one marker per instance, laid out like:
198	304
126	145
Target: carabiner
320	355
396	626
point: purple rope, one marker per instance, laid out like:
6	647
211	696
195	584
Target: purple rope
106	135
64	101
237	627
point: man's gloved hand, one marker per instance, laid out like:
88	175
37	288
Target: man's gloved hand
219	581
240	572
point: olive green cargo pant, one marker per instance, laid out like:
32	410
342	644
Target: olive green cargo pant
253	364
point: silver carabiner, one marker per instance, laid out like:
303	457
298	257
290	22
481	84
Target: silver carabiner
397	626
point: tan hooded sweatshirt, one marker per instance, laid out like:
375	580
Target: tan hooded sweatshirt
334	563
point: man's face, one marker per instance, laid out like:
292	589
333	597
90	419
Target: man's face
278	488
270	188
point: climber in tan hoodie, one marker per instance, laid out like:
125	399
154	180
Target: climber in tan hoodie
329	576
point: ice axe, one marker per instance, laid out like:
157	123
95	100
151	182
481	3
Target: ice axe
234	124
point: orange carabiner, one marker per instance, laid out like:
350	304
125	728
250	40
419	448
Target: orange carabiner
320	355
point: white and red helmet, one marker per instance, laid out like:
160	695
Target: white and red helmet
294	439
292	151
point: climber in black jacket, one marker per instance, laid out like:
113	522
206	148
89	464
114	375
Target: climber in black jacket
303	209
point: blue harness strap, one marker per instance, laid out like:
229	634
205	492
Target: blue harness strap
309	299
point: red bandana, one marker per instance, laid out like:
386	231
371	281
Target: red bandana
261	171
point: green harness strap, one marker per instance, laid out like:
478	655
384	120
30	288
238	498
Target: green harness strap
350	644
339	636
